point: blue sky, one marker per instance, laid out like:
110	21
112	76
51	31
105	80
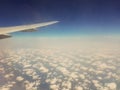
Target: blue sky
77	17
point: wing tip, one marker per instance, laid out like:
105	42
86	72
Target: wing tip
55	22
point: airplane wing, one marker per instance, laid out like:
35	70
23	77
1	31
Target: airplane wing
4	31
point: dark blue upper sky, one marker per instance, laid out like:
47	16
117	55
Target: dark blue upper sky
75	16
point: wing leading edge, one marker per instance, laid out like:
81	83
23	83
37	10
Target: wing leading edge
6	30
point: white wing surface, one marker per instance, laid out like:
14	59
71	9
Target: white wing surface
4	31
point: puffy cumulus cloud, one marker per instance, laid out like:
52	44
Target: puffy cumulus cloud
37	82
104	66
53	65
99	72
35	77
53	81
63	70
97	84
19	78
4	88
74	75
82	76
47	80
67	84
13	82
2	69
11	85
26	82
100	78
7	86
78	88
27	66
44	69
84	68
95	81
30	86
54	87
111	86
8	76
29	72
104	88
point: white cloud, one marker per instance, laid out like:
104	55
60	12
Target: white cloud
54	87
111	86
78	88
43	69
19	78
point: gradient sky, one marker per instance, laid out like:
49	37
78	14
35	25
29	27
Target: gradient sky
77	17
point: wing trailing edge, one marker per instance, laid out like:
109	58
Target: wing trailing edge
3	36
